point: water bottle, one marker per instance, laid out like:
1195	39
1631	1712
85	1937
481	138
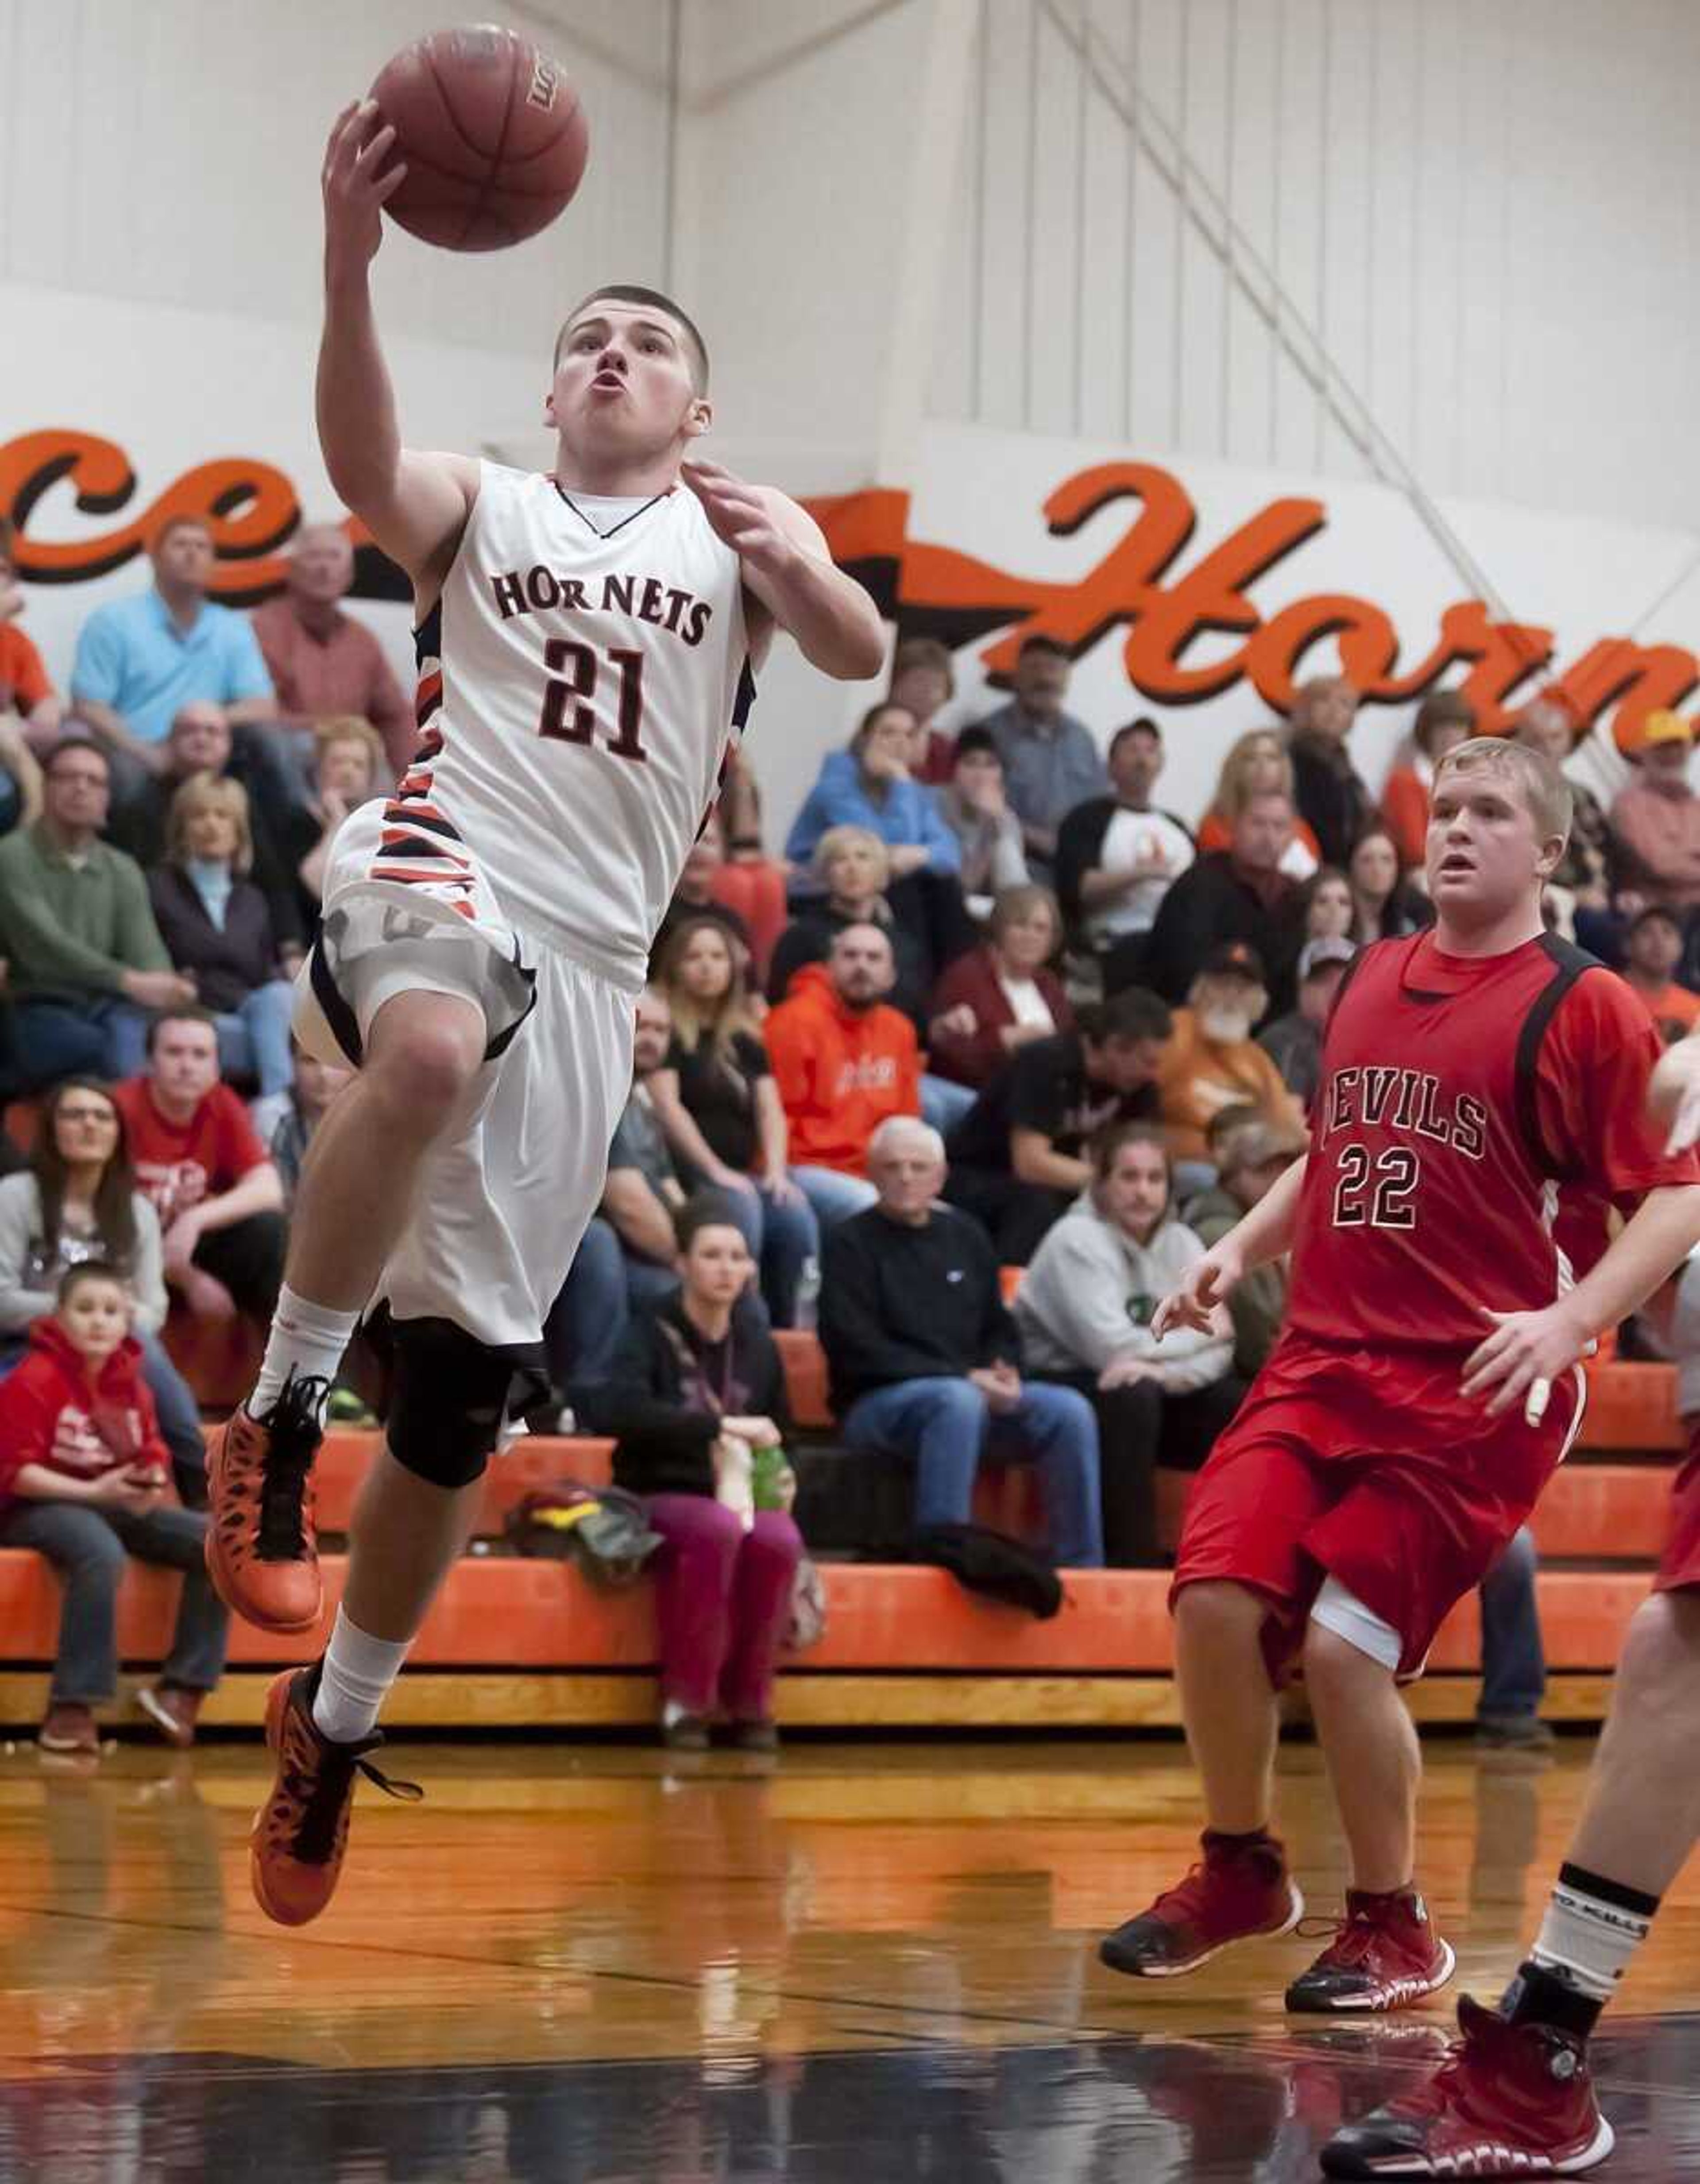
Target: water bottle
809	1295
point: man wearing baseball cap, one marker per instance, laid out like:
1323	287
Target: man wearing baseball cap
1294	1042
1212	1061
1656	818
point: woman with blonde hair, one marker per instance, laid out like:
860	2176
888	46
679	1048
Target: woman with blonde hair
217	928
855	866
1257	763
716	1101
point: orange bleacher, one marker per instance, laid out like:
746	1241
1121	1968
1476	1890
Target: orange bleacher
518	1642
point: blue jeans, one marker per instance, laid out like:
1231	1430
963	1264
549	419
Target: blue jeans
253	1042
945	1423
1514	1665
832	1196
782	1238
103	1036
943	1103
87	1548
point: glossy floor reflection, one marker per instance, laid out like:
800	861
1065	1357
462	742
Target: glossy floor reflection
574	1963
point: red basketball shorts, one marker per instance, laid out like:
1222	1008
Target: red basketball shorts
1679	1564
1371	1468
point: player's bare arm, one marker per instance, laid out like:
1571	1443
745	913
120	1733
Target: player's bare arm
1528	1351
788	571
1265	1234
415	505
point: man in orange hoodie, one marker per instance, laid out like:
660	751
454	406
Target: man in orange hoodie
844	1060
83	1476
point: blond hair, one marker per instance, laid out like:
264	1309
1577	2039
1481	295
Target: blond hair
845	838
349	729
717	1022
1233	783
1546	794
209	792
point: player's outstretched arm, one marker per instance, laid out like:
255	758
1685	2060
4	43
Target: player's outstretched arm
788	567
415	505
1265	1234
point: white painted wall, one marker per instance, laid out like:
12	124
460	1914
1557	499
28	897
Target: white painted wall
1486	214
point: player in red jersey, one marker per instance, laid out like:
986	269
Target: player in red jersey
1426	1381
1515	2098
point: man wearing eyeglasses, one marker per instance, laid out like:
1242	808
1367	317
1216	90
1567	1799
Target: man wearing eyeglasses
86	962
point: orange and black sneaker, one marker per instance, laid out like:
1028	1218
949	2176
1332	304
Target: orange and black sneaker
262	1549
300	1834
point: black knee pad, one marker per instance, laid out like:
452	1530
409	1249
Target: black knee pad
451	1392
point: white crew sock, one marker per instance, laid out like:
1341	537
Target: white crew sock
1591	1930
306	1343
354	1679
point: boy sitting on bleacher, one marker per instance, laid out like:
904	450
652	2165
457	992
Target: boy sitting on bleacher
83	1479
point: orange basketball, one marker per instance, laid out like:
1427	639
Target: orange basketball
493	133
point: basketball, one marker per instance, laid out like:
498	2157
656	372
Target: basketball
493	133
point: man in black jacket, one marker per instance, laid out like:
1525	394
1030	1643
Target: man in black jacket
1018	1156
924	1357
1236	893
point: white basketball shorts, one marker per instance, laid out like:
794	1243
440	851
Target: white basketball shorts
507	1193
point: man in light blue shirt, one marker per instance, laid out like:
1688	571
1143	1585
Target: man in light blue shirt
1051	761
139	659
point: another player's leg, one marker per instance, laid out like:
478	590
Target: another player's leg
1387	1953
1515	2098
1240	1889
415	1511
358	1186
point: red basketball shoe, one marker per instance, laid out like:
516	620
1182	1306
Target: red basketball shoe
1384	1954
1510	2100
1237	1893
300	1834
262	1549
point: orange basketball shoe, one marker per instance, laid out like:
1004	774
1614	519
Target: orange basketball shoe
300	1834
262	1549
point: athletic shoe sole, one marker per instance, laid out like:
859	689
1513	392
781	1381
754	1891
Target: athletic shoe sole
1398	1994
1483	2160
1107	1954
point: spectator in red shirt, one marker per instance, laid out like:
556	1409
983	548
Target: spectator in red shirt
922	683
323	663
83	1477
1444	719
211	1181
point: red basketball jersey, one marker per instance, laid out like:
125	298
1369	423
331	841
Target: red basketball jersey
1457	1093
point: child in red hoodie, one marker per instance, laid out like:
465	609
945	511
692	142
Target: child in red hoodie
83	1479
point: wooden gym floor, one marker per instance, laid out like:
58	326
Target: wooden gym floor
583	1963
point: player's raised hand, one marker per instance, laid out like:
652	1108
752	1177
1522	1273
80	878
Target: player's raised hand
357	182
1526	1352
739	513
1211	1283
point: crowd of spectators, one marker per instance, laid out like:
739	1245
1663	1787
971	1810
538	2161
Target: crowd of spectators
996	1008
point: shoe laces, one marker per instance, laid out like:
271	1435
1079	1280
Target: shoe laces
322	1793
1355	1934
293	1438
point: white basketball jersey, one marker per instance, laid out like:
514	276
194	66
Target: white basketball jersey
578	696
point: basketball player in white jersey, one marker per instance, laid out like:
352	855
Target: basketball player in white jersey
587	640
